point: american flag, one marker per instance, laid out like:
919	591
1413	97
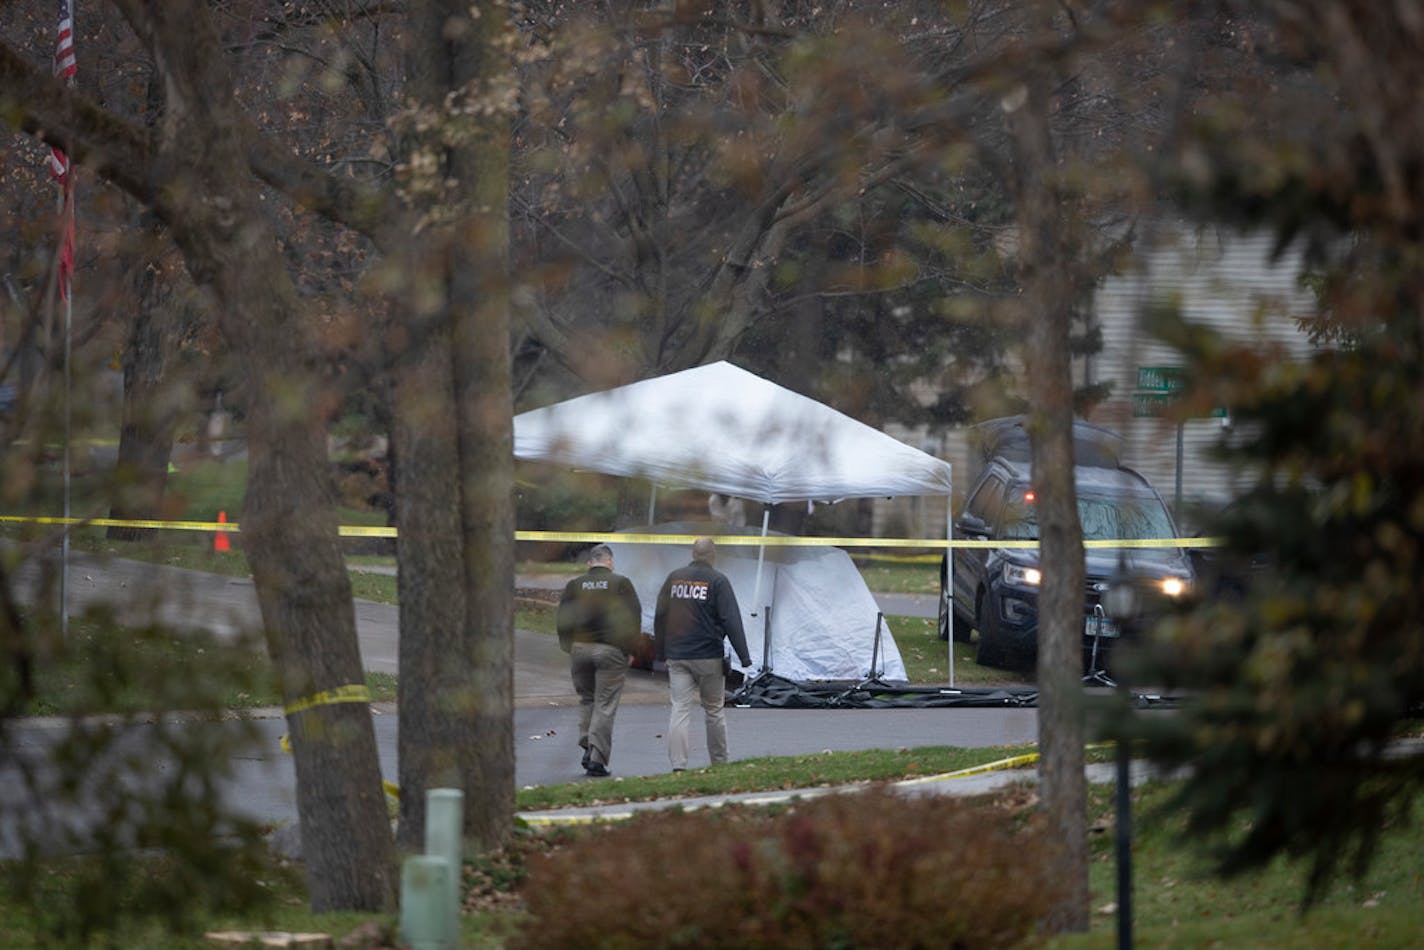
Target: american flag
65	66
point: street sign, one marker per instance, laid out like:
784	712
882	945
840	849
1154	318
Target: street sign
1161	379
1158	387
1150	405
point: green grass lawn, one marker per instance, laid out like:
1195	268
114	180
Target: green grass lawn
769	774
1177	902
899	574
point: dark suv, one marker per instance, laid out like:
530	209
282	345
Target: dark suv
996	588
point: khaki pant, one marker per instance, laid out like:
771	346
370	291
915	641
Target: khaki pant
692	682
599	671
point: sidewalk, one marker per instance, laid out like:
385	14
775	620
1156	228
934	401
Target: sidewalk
969	782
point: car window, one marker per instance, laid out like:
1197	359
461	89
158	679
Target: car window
986	501
1103	518
1020	521
1132	517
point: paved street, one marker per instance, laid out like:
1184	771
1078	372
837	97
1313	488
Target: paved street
546	715
226	605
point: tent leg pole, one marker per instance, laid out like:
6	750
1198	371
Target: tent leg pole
949	579
652	502
766	641
749	683
761	556
875	647
872	676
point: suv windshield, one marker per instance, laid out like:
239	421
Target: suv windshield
1104	518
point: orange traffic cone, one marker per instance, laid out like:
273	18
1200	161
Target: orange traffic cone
220	542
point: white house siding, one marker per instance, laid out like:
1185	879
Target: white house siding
1225	280
914	517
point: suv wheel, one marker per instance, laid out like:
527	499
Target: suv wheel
988	653
963	629
949	619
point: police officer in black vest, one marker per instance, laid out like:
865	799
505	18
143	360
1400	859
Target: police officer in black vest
599	623
696	611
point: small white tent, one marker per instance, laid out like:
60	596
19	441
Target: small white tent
725	430
823	617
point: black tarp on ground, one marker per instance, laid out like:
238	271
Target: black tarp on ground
769	691
772	691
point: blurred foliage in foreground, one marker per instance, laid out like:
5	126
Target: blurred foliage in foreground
144	778
1304	671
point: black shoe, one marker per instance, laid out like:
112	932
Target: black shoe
597	769
586	754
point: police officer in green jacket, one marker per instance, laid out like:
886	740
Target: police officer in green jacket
599	623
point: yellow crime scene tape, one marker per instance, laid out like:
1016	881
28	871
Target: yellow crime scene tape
351	693
611	537
1013	762
359	693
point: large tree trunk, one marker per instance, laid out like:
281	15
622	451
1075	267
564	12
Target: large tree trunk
435	661
1047	301
479	297
150	415
150	407
289	522
455	442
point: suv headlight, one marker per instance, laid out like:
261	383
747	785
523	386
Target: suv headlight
1172	586
1018	576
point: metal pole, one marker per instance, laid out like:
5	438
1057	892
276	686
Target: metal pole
766	641
64	537
874	674
761	556
949	577
1177	498
66	65
1124	846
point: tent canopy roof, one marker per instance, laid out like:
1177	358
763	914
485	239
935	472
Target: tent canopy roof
722	429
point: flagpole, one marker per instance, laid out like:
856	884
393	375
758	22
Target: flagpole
65	68
65	287
64	543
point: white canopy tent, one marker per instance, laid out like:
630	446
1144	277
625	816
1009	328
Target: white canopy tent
724	430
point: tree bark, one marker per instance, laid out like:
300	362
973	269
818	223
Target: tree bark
289	522
455	438
150	408
479	298
1045	235
434	659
